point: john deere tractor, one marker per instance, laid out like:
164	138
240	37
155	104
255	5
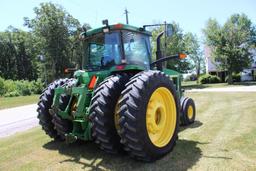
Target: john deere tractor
120	98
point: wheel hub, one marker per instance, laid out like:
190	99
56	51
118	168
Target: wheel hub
190	112
161	117
156	116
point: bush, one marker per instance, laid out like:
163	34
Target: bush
214	79
1	86
10	88
235	78
206	79
23	87
12	94
203	79
37	86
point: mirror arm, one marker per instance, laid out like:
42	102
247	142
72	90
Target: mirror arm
158	50
160	61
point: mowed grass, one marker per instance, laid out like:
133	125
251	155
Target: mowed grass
8	102
222	138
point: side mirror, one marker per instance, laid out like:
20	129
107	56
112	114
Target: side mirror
105	22
169	30
84	28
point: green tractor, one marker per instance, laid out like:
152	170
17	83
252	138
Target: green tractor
120	99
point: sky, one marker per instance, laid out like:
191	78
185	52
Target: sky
191	15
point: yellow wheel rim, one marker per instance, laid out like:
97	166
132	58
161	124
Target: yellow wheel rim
190	112
117	116
161	117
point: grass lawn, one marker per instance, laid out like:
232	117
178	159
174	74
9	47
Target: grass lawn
8	102
193	85
222	138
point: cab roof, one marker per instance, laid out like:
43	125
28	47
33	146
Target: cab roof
118	26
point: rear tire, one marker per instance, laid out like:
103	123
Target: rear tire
188	112
139	105
102	113
44	104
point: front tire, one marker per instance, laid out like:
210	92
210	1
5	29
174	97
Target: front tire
188	112
149	116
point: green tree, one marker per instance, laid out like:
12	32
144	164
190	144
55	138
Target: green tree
195	54
8	64
54	26
174	45
23	42
77	48
230	44
16	56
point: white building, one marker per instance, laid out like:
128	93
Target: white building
248	74
211	65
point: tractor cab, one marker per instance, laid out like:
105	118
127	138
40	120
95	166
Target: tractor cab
116	47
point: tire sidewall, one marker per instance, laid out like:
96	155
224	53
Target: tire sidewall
189	102
150	147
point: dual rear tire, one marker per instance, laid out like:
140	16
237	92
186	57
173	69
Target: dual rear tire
140	117
103	113
52	124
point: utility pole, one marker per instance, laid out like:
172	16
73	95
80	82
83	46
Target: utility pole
126	14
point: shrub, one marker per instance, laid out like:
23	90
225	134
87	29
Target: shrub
235	78
37	86
206	79
1	86
9	86
214	79
23	87
12	94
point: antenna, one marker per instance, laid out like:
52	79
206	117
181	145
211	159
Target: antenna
126	14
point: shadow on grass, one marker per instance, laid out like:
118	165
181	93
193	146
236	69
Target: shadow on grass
88	155
196	124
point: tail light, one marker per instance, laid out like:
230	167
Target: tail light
92	82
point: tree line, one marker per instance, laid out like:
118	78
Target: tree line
17	55
51	44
